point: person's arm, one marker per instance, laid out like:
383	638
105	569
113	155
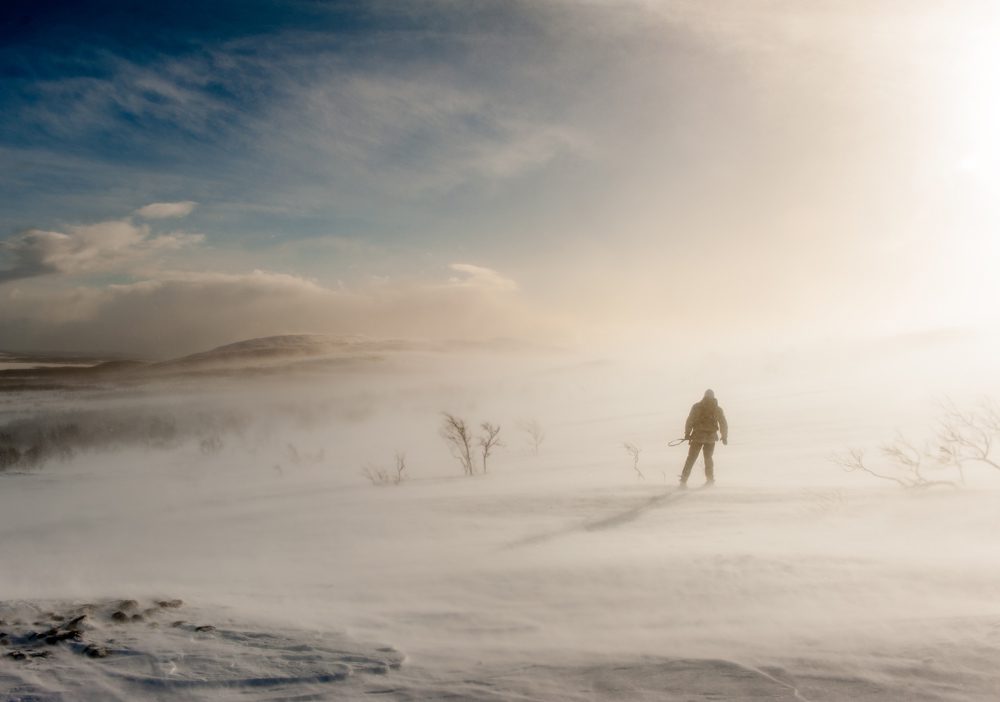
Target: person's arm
723	426
689	424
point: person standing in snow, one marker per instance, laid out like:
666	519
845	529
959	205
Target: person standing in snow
701	430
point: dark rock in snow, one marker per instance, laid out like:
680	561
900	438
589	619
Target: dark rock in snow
119	616
205	627
95	651
62	636
170	604
25	655
128	604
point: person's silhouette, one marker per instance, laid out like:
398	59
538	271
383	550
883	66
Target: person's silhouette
702	428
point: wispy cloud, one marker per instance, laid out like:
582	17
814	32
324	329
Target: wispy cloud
314	120
183	312
480	277
166	210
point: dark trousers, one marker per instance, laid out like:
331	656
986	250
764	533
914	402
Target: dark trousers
708	449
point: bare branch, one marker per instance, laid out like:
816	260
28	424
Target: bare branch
459	440
489	440
634	451
536	435
377	476
854	461
400	467
902	454
381	476
968	436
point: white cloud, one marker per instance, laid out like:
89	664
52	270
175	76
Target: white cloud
185	312
480	277
83	249
165	210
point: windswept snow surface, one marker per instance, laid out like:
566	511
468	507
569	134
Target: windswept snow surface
560	576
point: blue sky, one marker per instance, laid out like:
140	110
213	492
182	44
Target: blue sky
474	169
278	116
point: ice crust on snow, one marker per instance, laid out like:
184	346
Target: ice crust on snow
130	649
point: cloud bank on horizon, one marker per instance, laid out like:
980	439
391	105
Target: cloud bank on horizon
744	172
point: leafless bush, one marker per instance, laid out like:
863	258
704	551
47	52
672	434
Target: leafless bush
634	451
536	435
377	475
963	436
456	434
968	436
382	476
400	467
905	466
210	444
488	440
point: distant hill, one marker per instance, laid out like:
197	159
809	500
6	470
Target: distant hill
288	347
267	355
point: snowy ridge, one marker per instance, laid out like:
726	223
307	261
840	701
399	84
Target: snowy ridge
285	347
266	355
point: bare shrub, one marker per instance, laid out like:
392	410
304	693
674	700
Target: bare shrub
634	451
488	440
534	431
963	436
968	436
211	444
382	476
905	466
456	434
400	467
377	475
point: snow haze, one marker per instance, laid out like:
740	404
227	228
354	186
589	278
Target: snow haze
560	575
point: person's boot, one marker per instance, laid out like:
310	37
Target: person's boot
682	485
710	482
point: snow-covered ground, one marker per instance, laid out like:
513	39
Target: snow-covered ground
557	576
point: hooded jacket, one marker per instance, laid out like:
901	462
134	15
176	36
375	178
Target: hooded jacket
705	421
